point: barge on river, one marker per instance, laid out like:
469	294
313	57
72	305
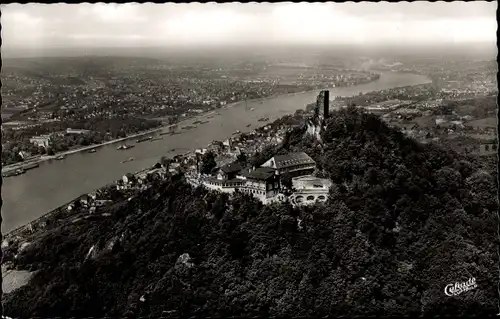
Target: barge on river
124	147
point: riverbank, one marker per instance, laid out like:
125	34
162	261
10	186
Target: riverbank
42	158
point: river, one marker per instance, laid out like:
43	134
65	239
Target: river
38	191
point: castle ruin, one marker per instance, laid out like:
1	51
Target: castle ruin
321	112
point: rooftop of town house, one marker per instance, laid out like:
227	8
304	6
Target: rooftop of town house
232	168
261	173
292	159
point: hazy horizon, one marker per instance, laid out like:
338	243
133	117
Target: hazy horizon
79	27
484	51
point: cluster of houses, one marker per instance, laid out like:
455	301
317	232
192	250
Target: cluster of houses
264	182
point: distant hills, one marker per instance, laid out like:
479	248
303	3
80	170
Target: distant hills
480	50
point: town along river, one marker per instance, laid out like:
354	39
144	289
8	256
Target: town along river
38	191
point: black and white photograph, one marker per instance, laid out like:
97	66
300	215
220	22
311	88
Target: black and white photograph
249	160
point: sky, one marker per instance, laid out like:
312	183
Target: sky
195	24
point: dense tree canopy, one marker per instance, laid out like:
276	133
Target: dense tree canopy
242	158
208	163
403	220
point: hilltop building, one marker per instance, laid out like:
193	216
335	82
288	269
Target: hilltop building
264	182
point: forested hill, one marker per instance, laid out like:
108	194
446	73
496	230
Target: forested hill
403	221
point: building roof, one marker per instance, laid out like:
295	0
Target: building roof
261	173
292	159
232	168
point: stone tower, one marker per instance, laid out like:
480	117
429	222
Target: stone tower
323	104
321	113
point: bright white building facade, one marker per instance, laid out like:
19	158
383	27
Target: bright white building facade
309	190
